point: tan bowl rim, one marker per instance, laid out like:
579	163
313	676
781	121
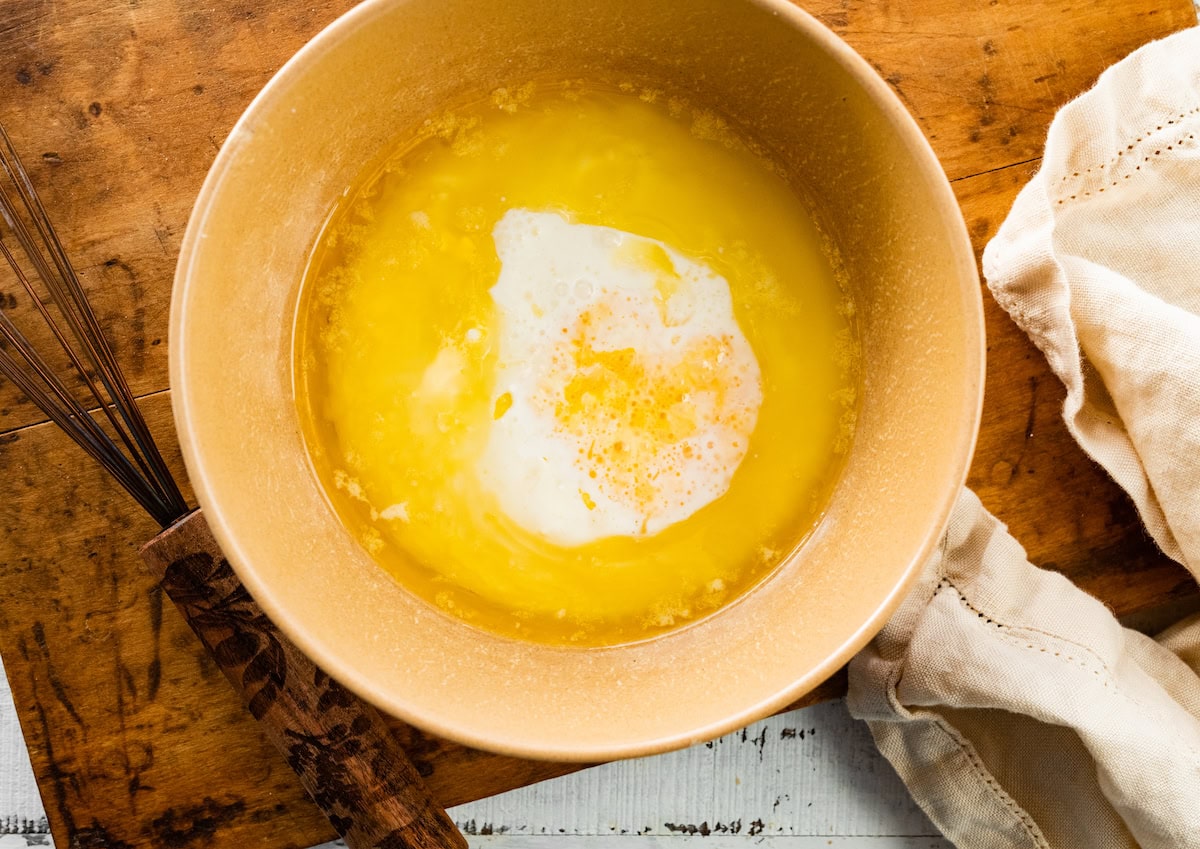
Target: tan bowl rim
924	159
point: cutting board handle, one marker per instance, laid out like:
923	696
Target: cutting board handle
339	746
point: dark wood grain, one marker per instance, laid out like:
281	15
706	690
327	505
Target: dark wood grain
984	77
341	749
135	737
118	109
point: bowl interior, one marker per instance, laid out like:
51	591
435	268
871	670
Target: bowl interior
375	75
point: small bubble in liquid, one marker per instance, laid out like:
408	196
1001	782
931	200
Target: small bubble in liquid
474	334
583	289
560	290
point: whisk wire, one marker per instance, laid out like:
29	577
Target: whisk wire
98	446
47	373
81	318
140	468
70	300
67	412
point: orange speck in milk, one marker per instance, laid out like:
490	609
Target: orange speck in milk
639	410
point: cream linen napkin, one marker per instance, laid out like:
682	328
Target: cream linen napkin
1014	706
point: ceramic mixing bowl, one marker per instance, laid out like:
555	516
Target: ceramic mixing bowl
833	125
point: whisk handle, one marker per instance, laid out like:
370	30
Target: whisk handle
338	745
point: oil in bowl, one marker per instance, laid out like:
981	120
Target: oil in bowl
574	364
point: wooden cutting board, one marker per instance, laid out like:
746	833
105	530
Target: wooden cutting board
136	739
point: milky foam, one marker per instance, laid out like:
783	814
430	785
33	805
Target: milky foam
625	391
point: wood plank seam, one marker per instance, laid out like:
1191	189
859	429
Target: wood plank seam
17	431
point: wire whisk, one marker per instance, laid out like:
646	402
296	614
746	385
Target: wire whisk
97	410
354	768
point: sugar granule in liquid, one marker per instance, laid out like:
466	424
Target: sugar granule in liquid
574	366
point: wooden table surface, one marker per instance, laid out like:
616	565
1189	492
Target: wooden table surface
120	108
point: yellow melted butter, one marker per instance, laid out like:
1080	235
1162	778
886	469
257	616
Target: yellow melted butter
395	357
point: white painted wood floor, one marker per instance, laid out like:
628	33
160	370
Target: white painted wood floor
807	779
